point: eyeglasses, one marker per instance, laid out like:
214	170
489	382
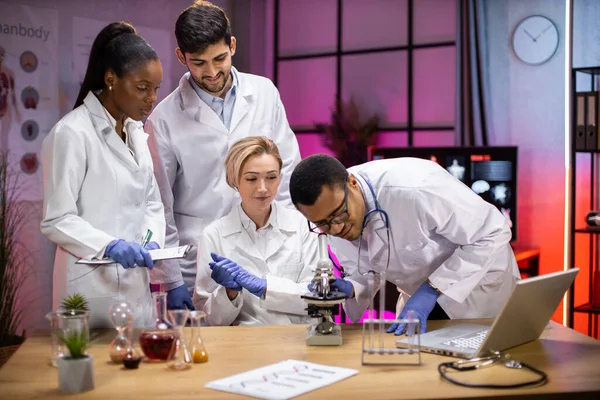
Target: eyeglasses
337	219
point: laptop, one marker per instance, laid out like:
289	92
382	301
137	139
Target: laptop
521	320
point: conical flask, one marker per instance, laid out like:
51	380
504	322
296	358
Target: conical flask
157	339
199	354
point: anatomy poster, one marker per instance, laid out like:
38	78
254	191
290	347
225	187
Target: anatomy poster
85	31
29	104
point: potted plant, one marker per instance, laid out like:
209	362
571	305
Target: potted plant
347	135
75	371
14	259
74	302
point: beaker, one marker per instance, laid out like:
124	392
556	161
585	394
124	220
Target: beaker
179	357
57	348
121	315
74	332
199	354
157	339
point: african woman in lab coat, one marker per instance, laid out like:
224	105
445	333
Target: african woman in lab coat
100	195
448	248
255	263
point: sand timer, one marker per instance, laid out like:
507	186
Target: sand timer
199	354
121	315
179	357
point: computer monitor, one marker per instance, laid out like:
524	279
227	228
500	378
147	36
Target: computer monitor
491	172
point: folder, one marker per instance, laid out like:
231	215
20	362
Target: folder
591	142
580	134
157	254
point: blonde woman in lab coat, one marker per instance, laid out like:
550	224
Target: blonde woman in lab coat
100	195
255	263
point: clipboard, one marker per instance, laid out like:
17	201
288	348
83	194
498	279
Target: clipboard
157	255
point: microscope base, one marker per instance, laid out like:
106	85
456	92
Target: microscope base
313	338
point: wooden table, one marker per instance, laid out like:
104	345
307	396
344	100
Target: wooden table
571	360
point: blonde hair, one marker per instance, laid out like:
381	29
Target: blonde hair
242	150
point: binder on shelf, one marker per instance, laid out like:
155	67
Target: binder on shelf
580	133
591	142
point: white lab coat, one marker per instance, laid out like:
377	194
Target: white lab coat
290	259
441	230
95	191
189	144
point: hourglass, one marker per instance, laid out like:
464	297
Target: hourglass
121	315
180	357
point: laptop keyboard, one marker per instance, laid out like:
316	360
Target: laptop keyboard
469	341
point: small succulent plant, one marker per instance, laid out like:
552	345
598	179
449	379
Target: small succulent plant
76	342
76	301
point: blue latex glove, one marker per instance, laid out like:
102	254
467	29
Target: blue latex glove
179	299
340	284
152	246
222	272
422	303
129	254
243	278
343	286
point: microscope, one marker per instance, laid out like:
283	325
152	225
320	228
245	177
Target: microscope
323	303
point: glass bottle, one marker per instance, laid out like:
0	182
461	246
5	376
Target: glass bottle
199	354
57	348
121	315
179	357
157	339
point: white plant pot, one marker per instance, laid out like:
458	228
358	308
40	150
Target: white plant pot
75	375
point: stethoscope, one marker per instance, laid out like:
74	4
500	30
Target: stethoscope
386	219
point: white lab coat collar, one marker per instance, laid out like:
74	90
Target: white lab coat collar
191	100
282	226
367	195
375	233
249	225
102	118
105	128
232	223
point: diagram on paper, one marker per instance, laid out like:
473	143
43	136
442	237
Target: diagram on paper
283	380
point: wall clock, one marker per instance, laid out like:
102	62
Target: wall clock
535	40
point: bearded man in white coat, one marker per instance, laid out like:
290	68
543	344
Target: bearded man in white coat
448	248
192	129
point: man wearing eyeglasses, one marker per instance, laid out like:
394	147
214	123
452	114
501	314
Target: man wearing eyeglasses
435	239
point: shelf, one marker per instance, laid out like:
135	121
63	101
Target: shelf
588	70
300	129
588	230
588	151
587	308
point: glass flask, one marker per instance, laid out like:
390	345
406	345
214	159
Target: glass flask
121	315
180	357
57	348
199	354
157	339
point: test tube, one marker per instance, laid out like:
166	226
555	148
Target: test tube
382	285
371	314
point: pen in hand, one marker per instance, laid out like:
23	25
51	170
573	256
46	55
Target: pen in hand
147	238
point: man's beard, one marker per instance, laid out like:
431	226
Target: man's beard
211	90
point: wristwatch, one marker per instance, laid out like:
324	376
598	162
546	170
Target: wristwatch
431	285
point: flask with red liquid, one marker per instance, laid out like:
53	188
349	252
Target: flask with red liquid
156	340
